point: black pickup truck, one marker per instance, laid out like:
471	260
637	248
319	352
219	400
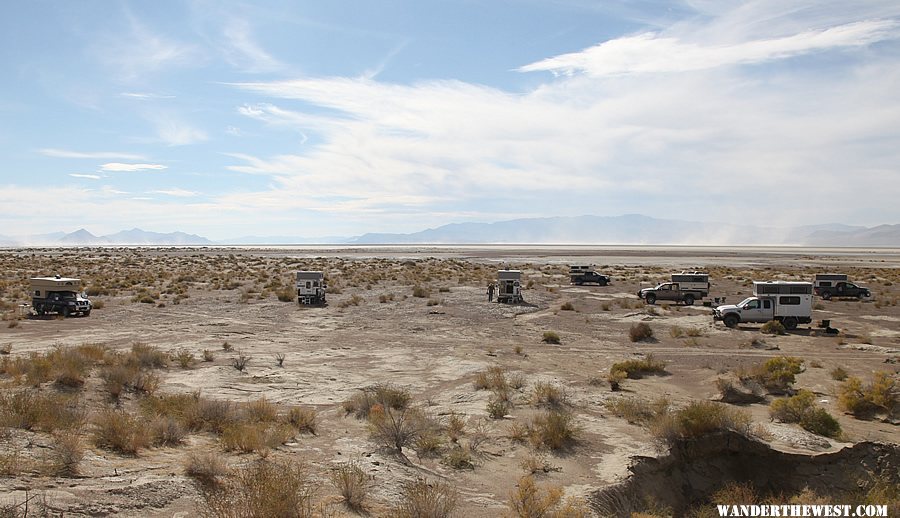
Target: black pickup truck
843	289
589	277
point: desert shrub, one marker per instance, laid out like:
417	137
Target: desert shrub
802	409
421	499
554	429
459	458
429	442
773	327
66	456
148	356
615	378
206	467
120	431
498	406
303	419
393	428
214	415
208	355
776	375
354	300
166	431
384	394
697	419
838	374
35	411
227	347
261	411
567	306
864	401
636	369
240	361
640	332
286	294
493	378
676	331
279	359
185	358
251	437
530	501
550	337
265	488
549	395
349	479
638	411
420	292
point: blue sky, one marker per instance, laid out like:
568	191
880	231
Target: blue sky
228	119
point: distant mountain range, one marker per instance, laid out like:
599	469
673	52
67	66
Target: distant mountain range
630	229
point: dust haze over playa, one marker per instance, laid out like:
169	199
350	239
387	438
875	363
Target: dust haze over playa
179	163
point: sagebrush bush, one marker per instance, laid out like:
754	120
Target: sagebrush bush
423	499
265	488
530	501
120	431
697	419
38	411
776	375
636	369
384	394
640	332
863	401
349	479
393	428
773	327
303	419
550	337
802	408
206	467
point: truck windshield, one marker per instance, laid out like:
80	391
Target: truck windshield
745	301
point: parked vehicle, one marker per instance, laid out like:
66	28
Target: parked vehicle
311	288
787	302
60	295
686	287
579	275
828	285
509	286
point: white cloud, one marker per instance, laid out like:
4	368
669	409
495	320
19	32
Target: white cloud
242	50
145	96
138	51
120	167
63	153
88	176
651	52
175	132
176	192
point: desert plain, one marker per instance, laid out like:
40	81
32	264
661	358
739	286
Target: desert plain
497	416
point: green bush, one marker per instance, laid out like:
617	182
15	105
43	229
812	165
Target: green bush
802	409
550	337
773	327
636	369
697	419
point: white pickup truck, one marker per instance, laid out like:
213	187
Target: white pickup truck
787	302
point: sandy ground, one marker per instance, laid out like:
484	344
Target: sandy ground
434	346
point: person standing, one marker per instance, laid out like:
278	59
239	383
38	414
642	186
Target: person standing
490	292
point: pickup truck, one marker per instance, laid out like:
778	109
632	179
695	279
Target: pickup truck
588	277
787	302
672	291
843	289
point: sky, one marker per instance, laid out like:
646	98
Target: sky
302	118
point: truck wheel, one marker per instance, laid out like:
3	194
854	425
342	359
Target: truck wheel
65	312
87	313
731	320
688	300
826	295
861	295
651	298
602	283
789	323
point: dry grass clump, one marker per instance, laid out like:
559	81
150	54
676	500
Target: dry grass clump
838	374
423	499
802	409
550	337
303	419
530	501
286	294
640	332
773	327
420	292
776	375
567	306
147	357
37	411
185	358
260	411
349	479
638	411
636	369
385	394
697	419
549	395
395	428
881	396
553	429
492	378
166	431
354	300
120	431
66	456
207	468
265	488
253	437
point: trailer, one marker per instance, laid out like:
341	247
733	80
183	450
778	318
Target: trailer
787	302
311	288
509	286
60	295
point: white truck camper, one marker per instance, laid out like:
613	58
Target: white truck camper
311	288
509	286
787	302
